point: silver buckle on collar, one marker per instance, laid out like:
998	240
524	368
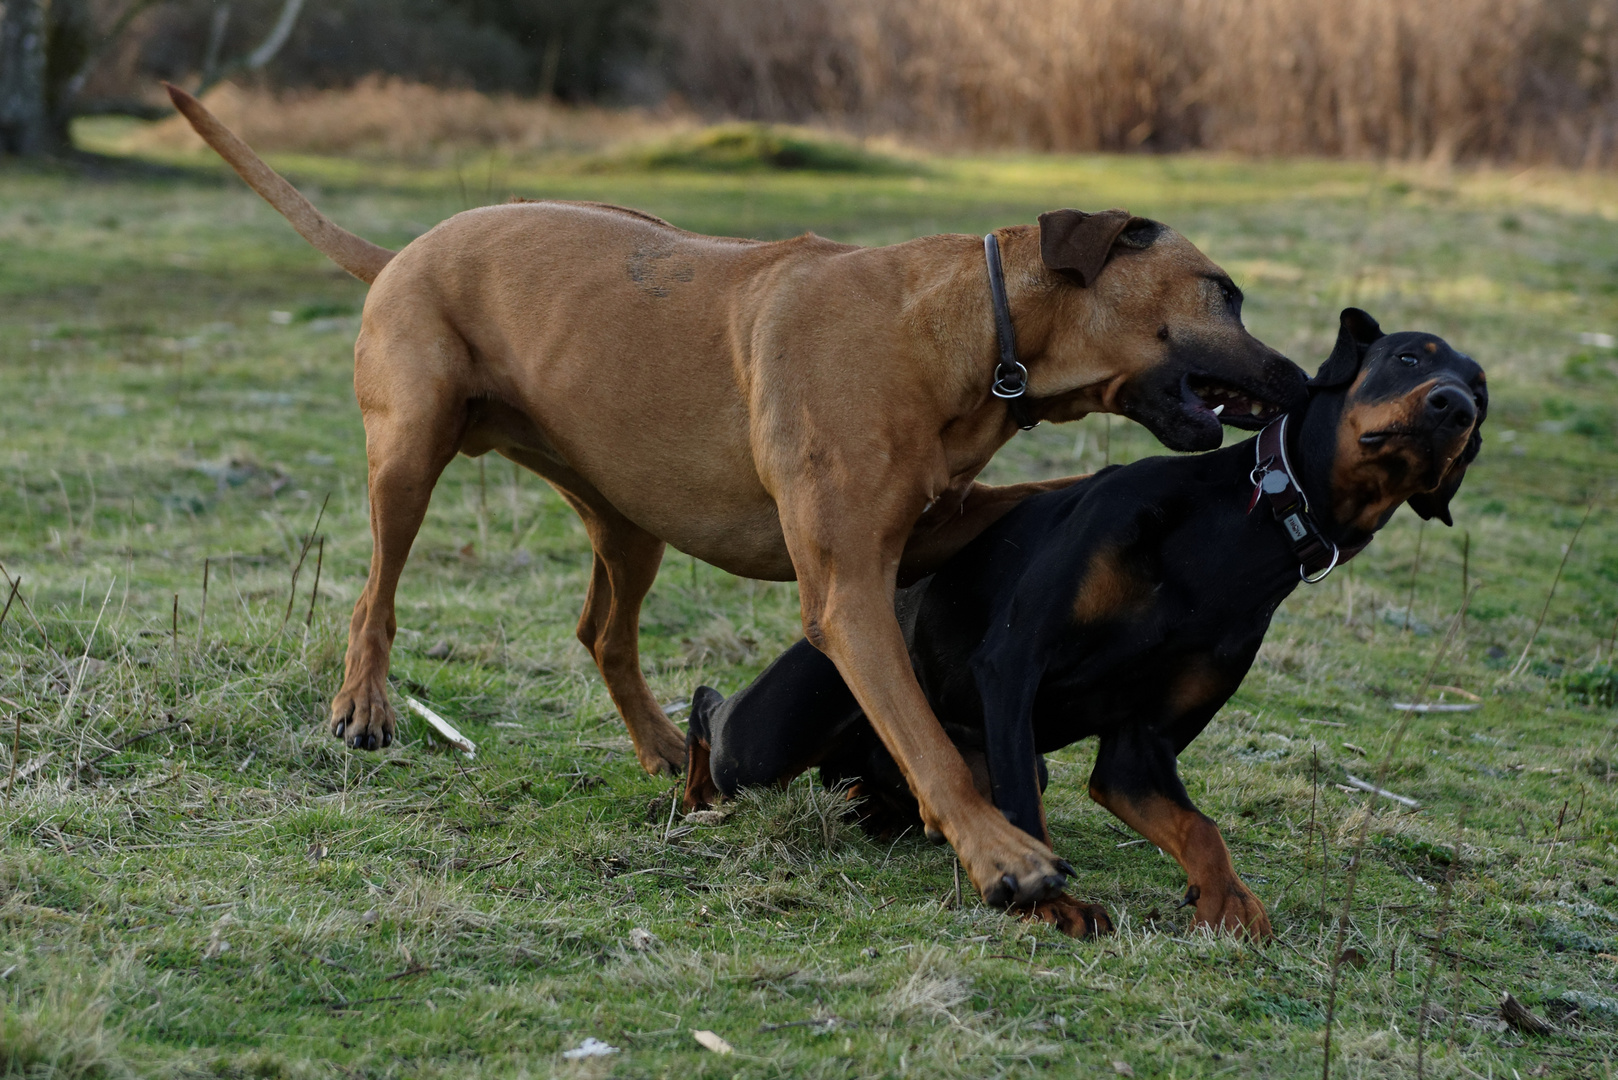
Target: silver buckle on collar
1303	574
1006	389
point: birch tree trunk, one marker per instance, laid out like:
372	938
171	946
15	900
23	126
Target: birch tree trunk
25	122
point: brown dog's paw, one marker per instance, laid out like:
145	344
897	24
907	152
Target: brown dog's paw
1232	908
1007	866
363	718
1072	917
661	750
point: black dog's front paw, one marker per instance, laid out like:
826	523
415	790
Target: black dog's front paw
1072	917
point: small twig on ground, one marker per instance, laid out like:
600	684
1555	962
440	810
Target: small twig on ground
84	661
496	862
328	960
1365	785
303	553
674	803
1551	850
16	746
408	973
1314	800
202	617
1522	661
15	585
127	743
320	560
1432	963
26	606
1415	569
1466	568
363	1001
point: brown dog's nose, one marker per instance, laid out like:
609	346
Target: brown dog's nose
1451	406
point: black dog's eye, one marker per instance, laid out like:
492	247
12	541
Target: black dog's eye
1409	358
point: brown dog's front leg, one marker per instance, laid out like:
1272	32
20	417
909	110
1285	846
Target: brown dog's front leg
848	614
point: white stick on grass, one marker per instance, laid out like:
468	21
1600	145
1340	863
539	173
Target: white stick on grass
442	728
1366	785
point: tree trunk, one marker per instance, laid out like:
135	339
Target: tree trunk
25	122
68	34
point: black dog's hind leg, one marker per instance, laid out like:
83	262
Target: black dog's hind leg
786	721
1135	777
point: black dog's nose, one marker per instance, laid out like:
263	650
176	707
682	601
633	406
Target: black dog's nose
1451	405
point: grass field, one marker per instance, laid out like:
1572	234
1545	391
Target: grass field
196	880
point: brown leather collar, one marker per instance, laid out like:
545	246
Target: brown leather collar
1276	483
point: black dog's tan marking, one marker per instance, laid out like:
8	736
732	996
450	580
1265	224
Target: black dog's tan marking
1128	606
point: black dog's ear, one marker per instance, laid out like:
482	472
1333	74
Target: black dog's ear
1356	332
1077	244
1435	504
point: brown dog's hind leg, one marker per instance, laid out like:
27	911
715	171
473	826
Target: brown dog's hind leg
407	449
625	565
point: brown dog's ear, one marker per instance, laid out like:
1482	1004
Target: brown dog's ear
1077	244
1435	504
1356	332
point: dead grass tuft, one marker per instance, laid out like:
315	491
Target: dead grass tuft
935	990
60	1031
796	825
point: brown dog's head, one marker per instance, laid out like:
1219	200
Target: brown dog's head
1409	414
1170	321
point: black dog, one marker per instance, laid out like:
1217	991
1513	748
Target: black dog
1128	606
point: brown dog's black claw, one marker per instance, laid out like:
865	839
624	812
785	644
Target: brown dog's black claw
387	739
1003	893
342	726
1192	895
1053	883
1065	867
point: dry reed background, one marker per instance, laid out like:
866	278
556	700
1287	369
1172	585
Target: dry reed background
393	118
1430	80
1523	80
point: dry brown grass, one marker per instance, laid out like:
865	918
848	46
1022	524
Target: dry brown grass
381	117
1433	79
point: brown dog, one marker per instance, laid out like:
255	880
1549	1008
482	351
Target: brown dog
802	409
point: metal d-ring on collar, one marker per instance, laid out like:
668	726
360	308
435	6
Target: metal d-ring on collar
1276	483
1010	377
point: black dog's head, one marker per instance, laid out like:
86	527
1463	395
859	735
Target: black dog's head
1410	421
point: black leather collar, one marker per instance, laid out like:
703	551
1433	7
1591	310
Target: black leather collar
1010	377
1276	483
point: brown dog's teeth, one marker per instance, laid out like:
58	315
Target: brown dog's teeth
1256	409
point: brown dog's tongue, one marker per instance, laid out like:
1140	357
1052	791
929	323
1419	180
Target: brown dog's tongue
1079	243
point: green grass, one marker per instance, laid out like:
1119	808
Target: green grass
240	896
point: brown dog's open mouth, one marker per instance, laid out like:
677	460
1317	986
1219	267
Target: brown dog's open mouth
1231	404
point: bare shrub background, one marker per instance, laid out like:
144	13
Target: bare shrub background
393	118
1524	80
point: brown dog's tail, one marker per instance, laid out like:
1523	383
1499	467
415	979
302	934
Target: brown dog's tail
358	256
